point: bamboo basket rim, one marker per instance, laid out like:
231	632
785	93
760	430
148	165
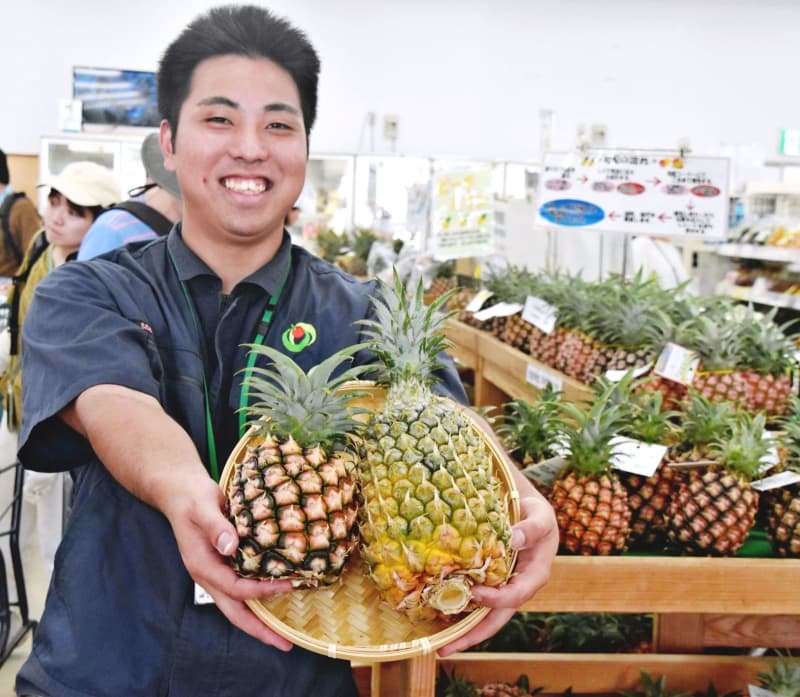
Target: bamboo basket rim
432	634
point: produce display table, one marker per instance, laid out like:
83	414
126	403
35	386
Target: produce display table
698	603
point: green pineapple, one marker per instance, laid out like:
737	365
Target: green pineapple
292	495
434	519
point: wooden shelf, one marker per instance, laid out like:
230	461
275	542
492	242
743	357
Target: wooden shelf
607	673
670	585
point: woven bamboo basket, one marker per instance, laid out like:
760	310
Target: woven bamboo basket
349	620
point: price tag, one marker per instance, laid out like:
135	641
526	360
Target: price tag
776	481
540	314
617	375
201	596
498	310
755	691
540	378
771	458
547	471
677	363
477	302
636	457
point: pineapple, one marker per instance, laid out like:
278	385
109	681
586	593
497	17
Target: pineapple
649	497
292	496
783	504
434	520
714	509
745	358
578	351
783	678
590	502
631	320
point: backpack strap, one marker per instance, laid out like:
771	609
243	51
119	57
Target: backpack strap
37	248
9	244
157	222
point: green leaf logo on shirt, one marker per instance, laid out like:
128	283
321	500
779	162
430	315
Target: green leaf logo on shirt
298	336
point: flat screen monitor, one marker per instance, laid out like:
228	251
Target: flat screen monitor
112	97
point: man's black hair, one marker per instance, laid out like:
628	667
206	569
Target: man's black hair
241	30
4	178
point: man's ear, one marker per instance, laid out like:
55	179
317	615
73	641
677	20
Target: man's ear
165	140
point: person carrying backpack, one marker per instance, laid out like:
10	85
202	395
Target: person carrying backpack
150	213
19	220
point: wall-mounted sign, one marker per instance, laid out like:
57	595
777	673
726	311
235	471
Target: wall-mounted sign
790	142
462	213
637	192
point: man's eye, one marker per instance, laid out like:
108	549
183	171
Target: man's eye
217	119
279	125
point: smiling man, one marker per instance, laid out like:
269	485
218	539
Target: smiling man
132	373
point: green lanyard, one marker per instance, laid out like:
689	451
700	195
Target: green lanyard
261	333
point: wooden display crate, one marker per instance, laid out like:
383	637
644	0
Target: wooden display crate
464	339
503	371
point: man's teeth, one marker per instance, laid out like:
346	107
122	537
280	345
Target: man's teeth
245	185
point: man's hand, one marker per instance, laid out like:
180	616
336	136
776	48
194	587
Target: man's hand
536	539
151	455
205	537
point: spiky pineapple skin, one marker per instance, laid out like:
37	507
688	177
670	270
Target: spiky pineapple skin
712	512
783	520
592	513
432	508
649	500
294	511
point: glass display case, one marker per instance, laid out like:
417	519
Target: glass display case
121	154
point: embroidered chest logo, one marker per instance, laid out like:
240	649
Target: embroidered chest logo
298	336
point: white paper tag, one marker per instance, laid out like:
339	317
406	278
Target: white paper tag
499	310
677	363
755	691
547	471
617	375
201	596
771	459
540	314
776	481
540	378
477	302
635	456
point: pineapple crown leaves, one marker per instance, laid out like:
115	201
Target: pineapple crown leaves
533	430
650	687
742	450
767	346
711	691
650	421
589	434
404	334
783	678
305	406
703	421
451	685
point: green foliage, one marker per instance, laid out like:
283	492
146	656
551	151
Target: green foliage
648	687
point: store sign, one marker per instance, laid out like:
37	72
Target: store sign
462	213
638	192
790	142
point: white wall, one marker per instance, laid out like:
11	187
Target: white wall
466	77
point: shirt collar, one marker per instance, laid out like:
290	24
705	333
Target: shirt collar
269	277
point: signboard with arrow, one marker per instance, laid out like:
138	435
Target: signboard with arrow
641	192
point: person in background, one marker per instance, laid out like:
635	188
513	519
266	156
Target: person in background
132	367
659	257
152	211
19	220
76	198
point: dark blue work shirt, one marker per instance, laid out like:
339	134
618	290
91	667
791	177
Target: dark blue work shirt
119	618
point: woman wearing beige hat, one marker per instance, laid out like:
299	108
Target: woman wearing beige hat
80	193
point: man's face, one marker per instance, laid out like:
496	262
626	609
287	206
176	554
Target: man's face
240	150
